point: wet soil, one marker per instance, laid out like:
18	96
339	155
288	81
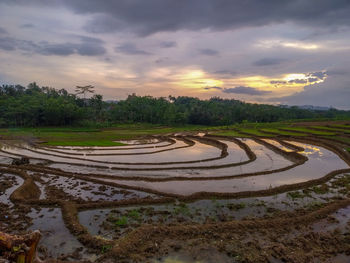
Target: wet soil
298	214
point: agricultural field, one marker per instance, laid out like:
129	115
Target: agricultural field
277	192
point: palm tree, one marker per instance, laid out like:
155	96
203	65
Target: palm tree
84	90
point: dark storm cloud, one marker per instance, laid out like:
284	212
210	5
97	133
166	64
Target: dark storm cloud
7	43
225	72
208	52
245	90
130	49
64	49
168	44
2	31
278	82
321	94
269	61
87	47
340	72
27	26
103	24
147	17
319	75
310	77
215	87
298	81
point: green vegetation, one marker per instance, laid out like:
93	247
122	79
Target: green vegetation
307	130
92	137
68	120
340	139
340	126
281	132
134	214
255	132
122	221
231	133
322	189
236	207
182	209
44	106
296	195
331	129
106	248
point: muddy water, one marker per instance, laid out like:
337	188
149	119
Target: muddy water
117	151
93	221
339	220
89	191
16	182
129	146
321	161
266	160
102	221
138	142
196	256
5	159
197	152
56	239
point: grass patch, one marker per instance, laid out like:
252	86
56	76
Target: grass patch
93	137
236	207
281	132
322	189
331	129
134	214
182	209
231	133
255	132
340	126
307	130
339	138
296	195
123	221
86	136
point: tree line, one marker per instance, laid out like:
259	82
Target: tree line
45	106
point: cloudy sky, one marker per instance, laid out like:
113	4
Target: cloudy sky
272	51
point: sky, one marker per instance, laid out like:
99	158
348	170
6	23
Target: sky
294	52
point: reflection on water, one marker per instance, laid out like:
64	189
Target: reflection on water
56	237
321	161
199	151
16	182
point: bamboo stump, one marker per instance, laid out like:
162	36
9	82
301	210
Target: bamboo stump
19	249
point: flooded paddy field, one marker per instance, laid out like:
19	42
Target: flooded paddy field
181	198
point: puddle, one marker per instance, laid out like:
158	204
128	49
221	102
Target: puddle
203	255
90	191
13	181
339	220
56	240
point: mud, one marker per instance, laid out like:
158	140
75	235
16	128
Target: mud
103	218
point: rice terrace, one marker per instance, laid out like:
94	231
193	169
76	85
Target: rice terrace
172	131
245	193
